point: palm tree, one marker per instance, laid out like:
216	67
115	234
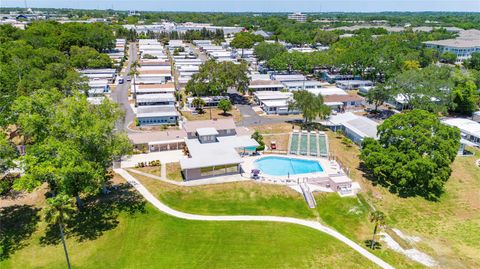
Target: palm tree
60	208
377	217
133	70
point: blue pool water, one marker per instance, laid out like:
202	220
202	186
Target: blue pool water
282	166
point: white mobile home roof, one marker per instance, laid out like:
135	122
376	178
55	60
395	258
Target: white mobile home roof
158	97
465	125
362	126
156	111
265	83
155	88
153	67
270	95
324	91
207	131
94	83
98	71
259	77
188	68
219	124
275	103
302	83
99	76
215	154
354	82
284	78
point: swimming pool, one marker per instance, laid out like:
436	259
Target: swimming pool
282	166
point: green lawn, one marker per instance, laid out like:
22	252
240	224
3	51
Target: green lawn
154	240
154	170
174	171
449	229
243	198
347	215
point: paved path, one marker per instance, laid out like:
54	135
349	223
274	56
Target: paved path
307	223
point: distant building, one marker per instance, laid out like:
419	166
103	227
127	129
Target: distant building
274	102
263	33
353	84
476	116
298	16
355	127
463	46
157	115
265	85
470	130
210	101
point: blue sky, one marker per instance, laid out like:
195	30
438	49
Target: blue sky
257	5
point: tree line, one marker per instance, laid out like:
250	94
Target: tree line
68	143
399	64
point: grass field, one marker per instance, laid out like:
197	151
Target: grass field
174	171
154	170
347	215
146	238
124	233
243	198
448	228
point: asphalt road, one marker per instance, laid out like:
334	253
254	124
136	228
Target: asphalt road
250	117
120	95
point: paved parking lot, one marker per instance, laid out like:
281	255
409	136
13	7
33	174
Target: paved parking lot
250	117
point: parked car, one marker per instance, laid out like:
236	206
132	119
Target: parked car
120	81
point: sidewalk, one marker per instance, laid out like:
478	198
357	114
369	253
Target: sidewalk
307	223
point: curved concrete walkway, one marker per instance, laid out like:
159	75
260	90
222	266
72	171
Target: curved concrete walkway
312	224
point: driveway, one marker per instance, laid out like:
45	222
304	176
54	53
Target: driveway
249	116
120	95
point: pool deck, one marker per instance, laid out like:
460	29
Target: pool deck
330	167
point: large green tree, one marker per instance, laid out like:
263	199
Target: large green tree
448	57
412	155
310	105
7	154
215	79
427	89
86	57
325	37
378	95
245	40
465	94
71	143
474	61
266	51
225	105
